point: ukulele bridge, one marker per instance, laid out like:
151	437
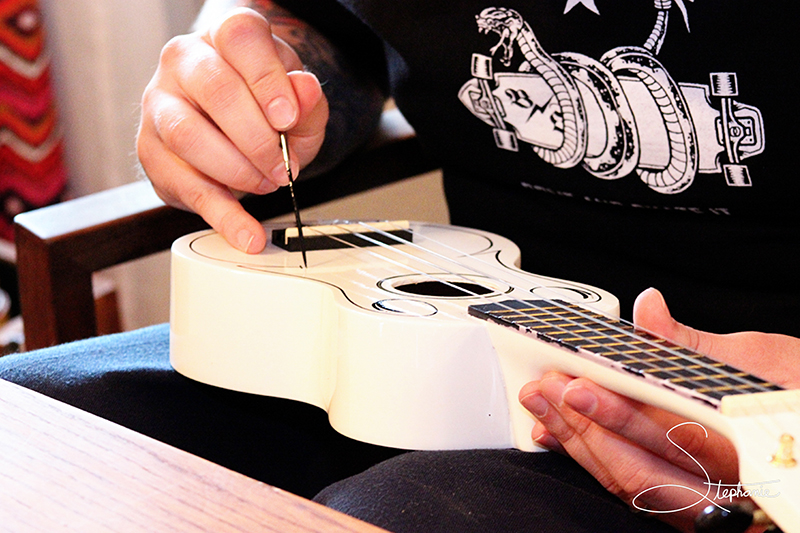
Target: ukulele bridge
345	235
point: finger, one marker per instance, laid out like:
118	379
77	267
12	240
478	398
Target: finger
647	426
287	101
305	140
762	354
616	413
307	137
216	89
264	104
188	134
650	312
182	186
531	398
192	70
244	39
627	470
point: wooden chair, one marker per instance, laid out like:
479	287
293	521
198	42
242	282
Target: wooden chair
60	247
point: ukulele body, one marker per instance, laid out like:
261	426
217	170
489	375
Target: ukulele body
378	336
386	340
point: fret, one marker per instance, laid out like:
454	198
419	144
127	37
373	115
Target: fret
598	337
700	368
621	345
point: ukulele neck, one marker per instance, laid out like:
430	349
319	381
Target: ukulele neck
620	345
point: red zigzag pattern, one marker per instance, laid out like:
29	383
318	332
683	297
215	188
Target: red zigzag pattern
32	172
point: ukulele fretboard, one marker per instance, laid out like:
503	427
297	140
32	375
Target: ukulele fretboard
621	345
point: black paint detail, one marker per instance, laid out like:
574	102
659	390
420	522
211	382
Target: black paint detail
445	289
343	240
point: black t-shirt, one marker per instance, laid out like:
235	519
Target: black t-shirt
615	101
618	143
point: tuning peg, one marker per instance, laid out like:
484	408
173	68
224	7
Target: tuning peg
714	519
736	519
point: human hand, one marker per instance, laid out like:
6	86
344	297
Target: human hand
211	118
623	443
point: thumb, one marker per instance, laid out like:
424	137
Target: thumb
650	312
307	136
767	355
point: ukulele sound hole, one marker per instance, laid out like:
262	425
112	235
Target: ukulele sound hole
451	289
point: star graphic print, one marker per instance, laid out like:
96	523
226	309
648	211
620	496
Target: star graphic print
588	4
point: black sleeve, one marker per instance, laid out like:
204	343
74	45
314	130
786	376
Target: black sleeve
354	39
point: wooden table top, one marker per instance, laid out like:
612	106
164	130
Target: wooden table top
63	469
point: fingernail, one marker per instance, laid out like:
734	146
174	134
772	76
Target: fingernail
245	239
279	176
281	113
548	441
536	404
266	186
580	399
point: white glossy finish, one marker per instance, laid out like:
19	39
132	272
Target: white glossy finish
418	372
390	368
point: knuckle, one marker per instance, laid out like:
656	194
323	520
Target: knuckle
262	147
165	188
245	39
268	80
144	151
639	480
692	439
228	222
173	50
217	87
149	98
695	341
618	418
242	178
198	198
167	197
242	28
583	427
176	132
147	153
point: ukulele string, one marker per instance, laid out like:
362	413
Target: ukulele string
549	301
766	428
612	321
785	404
417	258
404	268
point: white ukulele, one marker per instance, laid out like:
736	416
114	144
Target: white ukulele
420	336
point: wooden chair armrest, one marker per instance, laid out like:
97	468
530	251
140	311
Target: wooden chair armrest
59	247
